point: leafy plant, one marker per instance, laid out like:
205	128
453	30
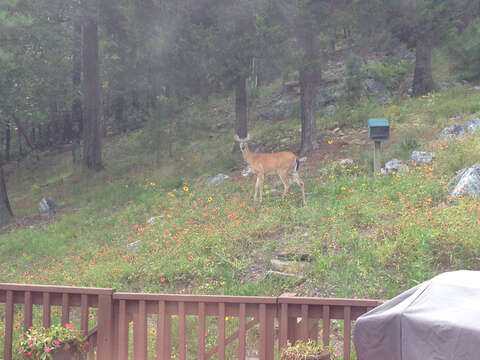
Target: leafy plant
387	73
309	350
39	343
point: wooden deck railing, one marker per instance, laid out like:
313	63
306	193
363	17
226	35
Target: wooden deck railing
143	326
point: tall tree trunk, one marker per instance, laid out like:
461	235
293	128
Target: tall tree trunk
309	79
24	132
120	113
5	209
422	78
20	146
8	135
241	118
92	135
52	122
77	124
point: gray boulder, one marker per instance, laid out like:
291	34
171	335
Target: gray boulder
47	207
281	110
394	165
218	179
327	96
472	125
375	89
453	131
467	181
422	157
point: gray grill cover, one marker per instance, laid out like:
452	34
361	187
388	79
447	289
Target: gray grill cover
436	320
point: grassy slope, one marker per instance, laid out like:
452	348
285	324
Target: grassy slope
366	236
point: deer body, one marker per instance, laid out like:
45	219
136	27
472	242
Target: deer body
282	163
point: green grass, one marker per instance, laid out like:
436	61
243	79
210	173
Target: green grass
367	236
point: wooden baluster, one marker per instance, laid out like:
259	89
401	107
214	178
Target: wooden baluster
270	332
201	331
182	346
283	325
7	350
262	343
105	327
84	313
347	327
242	333
221	331
163	332
28	309
46	310
123	331
304	323
65	309
140	332
326	325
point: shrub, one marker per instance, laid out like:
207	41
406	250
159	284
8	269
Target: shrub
301	350
464	50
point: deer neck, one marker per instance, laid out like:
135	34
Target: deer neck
247	155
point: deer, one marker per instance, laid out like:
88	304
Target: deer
282	163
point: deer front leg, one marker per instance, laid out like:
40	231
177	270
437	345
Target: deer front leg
284	178
260	186
300	183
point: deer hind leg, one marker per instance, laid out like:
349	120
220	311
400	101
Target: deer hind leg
300	183
284	177
260	186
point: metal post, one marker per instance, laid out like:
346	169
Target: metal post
377	157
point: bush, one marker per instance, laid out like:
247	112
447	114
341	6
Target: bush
388	73
464	50
353	77
309	350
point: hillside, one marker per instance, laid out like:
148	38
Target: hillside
151	222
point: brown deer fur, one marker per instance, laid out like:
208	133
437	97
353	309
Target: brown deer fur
282	163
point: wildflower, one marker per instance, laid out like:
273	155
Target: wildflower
68	326
330	142
265	187
210	199
20	348
185	188
48	349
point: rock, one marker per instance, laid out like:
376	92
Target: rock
394	165
247	171
454	131
281	110
422	157
472	125
346	162
291	87
327	95
133	246
375	89
329	110
468	181
47	207
289	267
218	179
153	219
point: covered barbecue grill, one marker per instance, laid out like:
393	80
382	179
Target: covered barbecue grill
436	320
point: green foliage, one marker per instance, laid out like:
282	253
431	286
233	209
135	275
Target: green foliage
38	343
305	350
353	77
464	49
356	114
388	73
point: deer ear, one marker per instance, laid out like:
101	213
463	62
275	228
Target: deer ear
236	138
248	137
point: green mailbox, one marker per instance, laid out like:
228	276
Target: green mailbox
379	129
